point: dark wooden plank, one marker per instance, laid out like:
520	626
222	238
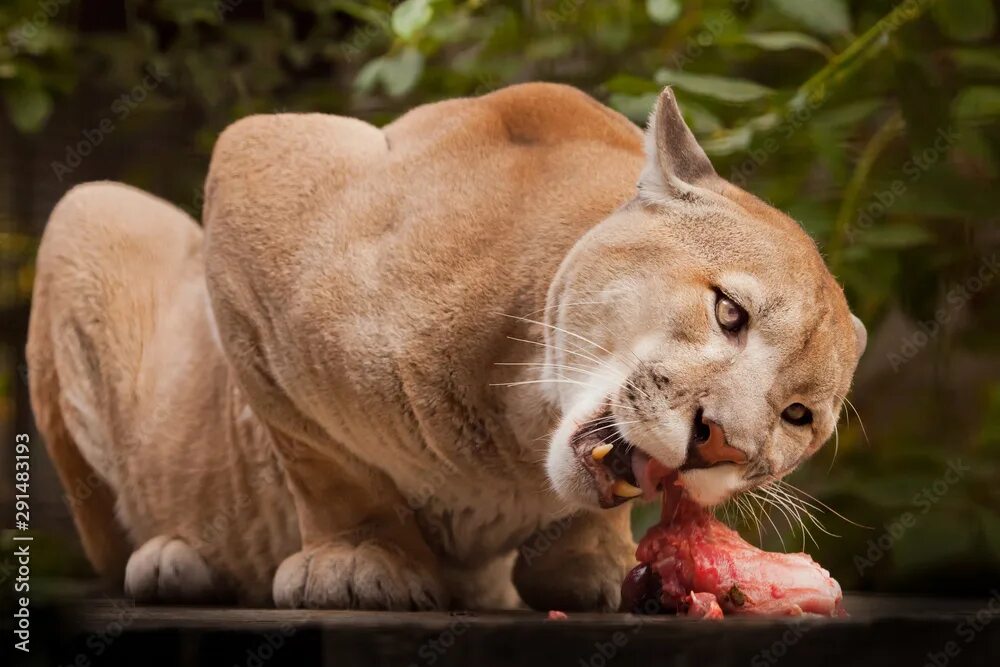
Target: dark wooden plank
863	609
881	631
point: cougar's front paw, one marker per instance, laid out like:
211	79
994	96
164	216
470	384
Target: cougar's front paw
370	575
167	569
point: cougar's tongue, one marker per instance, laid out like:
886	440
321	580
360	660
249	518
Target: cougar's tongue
649	474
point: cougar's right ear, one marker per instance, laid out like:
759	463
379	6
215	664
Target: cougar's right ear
676	166
860	334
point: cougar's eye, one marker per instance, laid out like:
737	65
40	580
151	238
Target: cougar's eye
797	414
729	314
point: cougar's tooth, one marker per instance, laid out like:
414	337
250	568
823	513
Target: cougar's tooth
625	490
601	451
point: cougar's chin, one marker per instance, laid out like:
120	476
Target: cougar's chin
712	486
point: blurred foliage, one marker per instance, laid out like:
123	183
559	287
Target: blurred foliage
873	122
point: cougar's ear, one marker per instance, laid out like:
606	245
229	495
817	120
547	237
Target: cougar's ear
861	333
676	165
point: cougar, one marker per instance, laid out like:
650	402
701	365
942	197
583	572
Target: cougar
427	365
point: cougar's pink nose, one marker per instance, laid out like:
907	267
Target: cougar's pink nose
708	446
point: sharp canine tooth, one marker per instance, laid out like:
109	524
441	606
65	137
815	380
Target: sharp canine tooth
625	490
601	451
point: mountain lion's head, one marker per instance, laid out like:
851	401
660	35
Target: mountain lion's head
695	330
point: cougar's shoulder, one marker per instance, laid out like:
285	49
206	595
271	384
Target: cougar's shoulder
527	114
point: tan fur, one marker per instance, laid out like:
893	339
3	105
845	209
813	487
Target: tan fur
316	381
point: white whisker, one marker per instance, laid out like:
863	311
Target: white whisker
564	305
767	516
536	364
857	414
575	335
554	381
785	512
836	446
794	489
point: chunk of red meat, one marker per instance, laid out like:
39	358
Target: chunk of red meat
703	605
697	558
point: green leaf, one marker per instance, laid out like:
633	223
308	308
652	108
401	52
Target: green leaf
549	47
847	116
736	140
28	107
614	35
663	12
400	73
826	17
724	89
397	73
785	41
896	236
636	107
451	27
369	76
38	38
977	103
966	20
410	17
699	119
977	61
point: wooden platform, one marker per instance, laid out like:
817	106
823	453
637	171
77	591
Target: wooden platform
881	631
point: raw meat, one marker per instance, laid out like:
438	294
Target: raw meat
703	605
703	568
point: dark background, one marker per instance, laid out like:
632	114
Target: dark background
874	123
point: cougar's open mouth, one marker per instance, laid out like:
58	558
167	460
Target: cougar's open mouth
621	471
